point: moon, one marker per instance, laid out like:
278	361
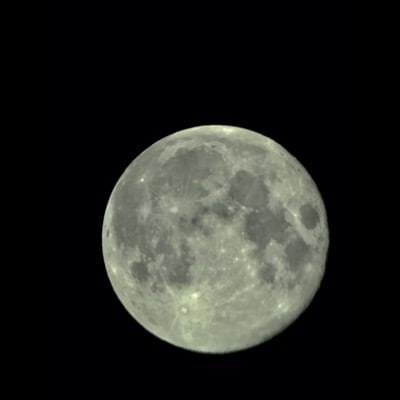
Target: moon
215	239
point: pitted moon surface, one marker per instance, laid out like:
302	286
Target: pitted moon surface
215	239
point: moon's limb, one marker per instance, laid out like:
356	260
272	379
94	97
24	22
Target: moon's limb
215	238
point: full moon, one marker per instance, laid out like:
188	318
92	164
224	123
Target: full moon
215	239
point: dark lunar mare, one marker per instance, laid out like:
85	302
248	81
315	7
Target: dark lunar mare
248	189
267	273
297	251
187	168
178	273
309	216
140	272
262	225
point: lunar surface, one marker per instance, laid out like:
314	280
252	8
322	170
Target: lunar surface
215	239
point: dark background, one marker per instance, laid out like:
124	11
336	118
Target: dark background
122	77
